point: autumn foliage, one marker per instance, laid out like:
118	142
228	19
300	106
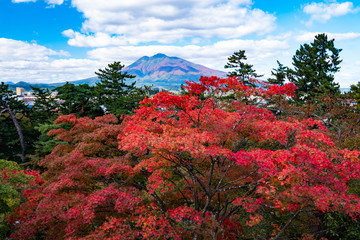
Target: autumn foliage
208	164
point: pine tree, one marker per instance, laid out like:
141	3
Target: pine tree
355	93
314	67
113	91
78	99
44	109
279	74
9	107
241	69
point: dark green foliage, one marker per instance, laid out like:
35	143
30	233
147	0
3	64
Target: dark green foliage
314	67
12	114
355	92
241	69
115	92
10	147
44	109
45	144
78	99
341	226
279	74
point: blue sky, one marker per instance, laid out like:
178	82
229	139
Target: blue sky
64	40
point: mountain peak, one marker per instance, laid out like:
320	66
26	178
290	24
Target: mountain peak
159	55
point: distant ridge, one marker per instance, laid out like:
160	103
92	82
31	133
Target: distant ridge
27	86
160	71
344	90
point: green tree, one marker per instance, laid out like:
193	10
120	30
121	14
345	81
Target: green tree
242	70
314	67
10	107
115	92
45	143
78	99
279	74
355	92
44	109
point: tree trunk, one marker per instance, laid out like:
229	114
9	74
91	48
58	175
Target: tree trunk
21	136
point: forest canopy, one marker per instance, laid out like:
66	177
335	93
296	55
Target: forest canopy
206	164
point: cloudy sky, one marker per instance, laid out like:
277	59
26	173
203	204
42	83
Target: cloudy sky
64	40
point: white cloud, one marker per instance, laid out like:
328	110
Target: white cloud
12	49
322	12
55	2
348	75
50	2
164	21
309	36
23	61
98	39
21	1
53	70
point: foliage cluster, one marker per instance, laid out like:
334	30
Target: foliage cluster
199	165
13	182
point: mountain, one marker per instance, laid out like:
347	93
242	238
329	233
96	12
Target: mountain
27	86
160	71
168	72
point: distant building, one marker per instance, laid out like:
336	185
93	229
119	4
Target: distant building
19	91
29	100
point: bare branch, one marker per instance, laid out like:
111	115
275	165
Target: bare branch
236	187
287	224
224	175
239	179
238	123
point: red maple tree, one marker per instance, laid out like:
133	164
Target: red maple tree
208	164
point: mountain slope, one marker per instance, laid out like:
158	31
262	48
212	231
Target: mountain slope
168	72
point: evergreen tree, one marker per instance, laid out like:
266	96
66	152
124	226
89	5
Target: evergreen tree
314	67
355	93
45	143
279	74
44	109
114	92
10	110
78	99
242	70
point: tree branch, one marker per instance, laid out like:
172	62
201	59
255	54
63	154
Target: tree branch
287	224
238	123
